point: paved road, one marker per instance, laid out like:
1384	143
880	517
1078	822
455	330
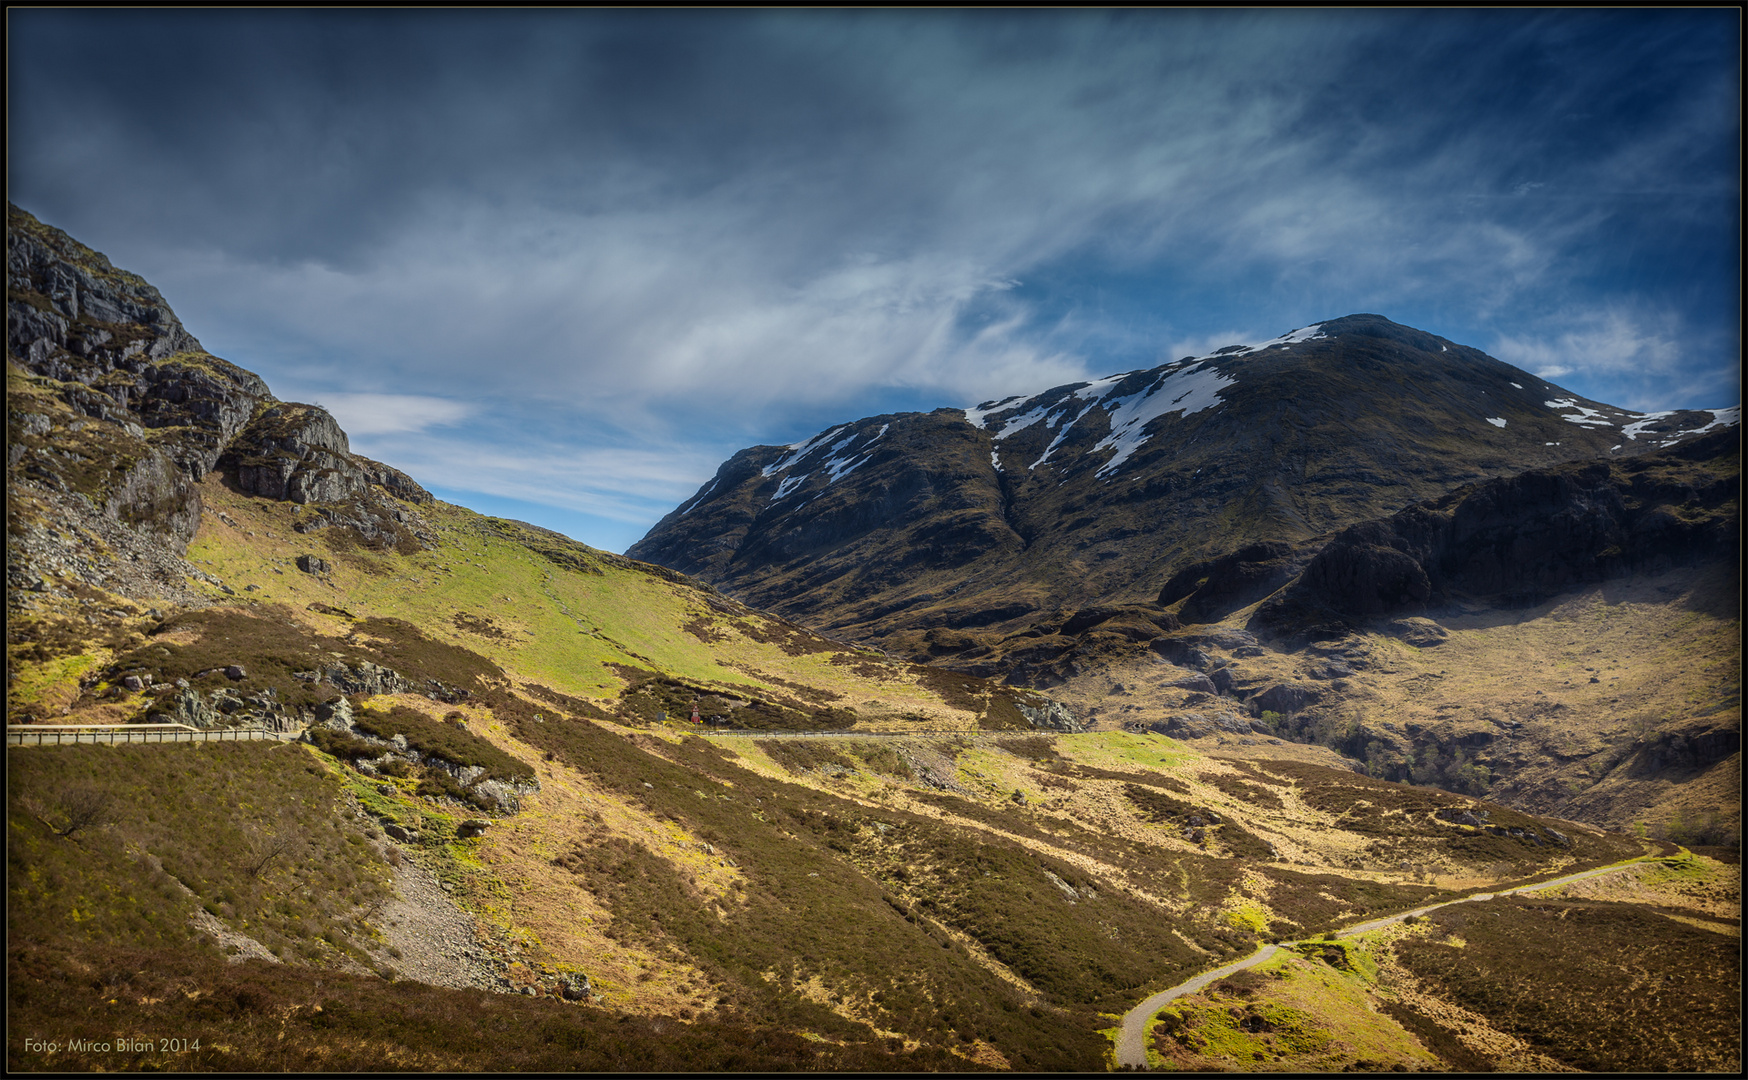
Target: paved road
1132	1037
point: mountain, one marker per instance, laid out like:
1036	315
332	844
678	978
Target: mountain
1090	494
1206	534
489	838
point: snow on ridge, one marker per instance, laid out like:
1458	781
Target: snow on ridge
1291	337
1184	391
1093	389
976	414
799	450
1185	386
1496	421
1583	415
789	484
1027	419
1633	430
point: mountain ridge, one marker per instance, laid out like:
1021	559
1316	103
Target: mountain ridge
1063	496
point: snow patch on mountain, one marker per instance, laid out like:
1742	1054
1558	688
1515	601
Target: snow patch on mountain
799	450
1720	418
1637	427
1063	433
977	414
1496	421
1581	414
1291	337
1185	390
789	484
1186	387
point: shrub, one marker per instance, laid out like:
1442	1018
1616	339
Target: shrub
451	742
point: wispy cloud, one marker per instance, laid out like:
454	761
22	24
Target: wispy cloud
386	414
678	235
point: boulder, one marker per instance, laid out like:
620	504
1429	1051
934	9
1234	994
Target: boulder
575	986
313	564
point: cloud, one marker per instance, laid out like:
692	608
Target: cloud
618	482
671	236
383	414
1644	361
1208	344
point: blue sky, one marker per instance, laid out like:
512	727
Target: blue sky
559	265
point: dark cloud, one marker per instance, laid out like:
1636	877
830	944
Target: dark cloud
743	225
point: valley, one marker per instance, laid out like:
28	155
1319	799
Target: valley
539	807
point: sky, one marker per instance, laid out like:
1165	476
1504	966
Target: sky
559	265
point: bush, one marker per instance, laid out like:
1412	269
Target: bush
451	742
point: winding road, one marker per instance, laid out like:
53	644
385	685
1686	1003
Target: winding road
1132	1035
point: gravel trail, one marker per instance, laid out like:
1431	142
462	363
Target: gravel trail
435	937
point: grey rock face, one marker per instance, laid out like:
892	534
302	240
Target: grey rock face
122	383
1052	715
1199	683
313	564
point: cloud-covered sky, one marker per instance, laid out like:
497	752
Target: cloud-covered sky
558	265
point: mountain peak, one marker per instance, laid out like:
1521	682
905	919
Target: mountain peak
1100	490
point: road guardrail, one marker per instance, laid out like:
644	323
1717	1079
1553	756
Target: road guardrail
111	734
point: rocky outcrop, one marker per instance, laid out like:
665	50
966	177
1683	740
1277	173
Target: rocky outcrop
371	679
1051	715
1684	750
120	405
1520	539
1213	588
1191	725
226	708
62	296
1286	698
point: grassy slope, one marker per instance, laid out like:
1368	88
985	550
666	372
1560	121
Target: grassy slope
892	902
564	627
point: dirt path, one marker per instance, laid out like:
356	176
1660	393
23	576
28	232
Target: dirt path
1132	1035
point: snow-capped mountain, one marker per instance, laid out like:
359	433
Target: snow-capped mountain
1100	492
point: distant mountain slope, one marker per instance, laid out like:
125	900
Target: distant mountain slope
1099	492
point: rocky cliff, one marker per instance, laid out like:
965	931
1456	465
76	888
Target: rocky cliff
115	411
1520	540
